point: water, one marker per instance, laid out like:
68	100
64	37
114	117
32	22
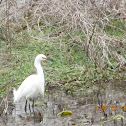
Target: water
83	109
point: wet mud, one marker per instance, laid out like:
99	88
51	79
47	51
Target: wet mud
83	109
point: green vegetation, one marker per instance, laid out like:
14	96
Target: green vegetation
71	67
116	28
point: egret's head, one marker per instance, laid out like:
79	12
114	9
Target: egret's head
42	57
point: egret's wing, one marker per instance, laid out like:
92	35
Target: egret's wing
27	85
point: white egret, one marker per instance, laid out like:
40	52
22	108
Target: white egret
33	85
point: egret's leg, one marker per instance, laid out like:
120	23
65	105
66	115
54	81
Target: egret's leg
29	108
33	105
26	106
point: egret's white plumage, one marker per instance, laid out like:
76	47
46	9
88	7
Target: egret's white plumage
33	84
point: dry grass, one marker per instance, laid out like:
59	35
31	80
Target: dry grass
65	17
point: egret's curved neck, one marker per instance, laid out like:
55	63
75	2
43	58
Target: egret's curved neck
39	68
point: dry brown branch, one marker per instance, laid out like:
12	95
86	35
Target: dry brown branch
66	17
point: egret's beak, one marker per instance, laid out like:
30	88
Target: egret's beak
49	59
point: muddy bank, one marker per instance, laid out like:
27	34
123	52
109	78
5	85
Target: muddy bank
83	109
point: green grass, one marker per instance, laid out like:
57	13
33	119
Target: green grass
70	62
21	64
117	29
